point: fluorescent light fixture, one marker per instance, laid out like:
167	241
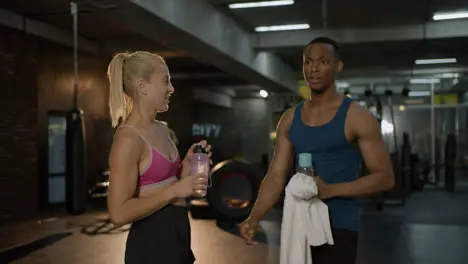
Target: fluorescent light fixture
282	27
342	84
261	4
450	15
386	127
448	75
424	81
436	61
263	93
419	93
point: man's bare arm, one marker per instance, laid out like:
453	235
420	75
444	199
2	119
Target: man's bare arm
275	179
366	129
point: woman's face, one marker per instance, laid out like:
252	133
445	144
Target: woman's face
158	89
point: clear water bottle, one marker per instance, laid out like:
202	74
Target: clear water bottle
305	164
200	166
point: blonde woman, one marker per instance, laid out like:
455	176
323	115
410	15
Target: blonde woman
148	180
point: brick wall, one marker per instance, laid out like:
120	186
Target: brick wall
55	85
37	77
18	108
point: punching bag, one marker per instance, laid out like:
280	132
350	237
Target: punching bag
76	179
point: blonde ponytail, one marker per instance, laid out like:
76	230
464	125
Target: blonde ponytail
123	68
117	97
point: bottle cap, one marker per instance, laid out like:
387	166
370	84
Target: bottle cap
199	149
305	160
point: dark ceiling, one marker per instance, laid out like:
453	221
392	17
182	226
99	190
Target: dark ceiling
360	58
388	56
342	13
96	27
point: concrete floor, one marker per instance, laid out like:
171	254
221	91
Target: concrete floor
431	228
210	243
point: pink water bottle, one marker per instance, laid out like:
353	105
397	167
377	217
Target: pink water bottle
200	166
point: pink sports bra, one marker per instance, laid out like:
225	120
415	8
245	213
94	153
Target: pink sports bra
160	169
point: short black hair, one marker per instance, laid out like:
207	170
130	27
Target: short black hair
329	41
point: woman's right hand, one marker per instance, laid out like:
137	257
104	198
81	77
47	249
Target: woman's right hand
188	186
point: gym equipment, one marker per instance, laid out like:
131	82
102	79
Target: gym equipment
406	170
99	189
76	178
234	189
416	173
437	165
449	166
76	195
401	158
103	227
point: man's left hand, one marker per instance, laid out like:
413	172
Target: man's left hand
325	190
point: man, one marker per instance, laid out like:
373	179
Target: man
337	132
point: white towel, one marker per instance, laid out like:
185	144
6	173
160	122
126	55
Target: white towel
305	221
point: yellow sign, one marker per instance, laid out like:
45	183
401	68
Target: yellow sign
303	90
447	99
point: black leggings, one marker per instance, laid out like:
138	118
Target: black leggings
163	237
344	250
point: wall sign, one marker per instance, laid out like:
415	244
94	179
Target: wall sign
206	130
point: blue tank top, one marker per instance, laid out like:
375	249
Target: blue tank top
334	158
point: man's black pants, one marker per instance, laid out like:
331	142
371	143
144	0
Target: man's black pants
344	250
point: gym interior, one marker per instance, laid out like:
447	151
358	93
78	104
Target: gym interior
235	73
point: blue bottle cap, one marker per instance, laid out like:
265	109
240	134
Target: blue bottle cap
305	160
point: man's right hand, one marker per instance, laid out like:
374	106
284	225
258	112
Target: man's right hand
275	179
247	229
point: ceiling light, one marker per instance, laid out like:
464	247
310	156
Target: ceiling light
448	75
282	27
450	15
386	127
261	4
436	61
419	93
424	81
341	84
263	93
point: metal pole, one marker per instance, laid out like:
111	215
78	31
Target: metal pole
74	12
324	14
457	120
433	134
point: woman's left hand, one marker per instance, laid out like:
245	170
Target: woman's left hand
186	163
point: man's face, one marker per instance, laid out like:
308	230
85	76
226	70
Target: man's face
320	65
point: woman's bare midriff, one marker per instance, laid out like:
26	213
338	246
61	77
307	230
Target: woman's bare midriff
146	191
